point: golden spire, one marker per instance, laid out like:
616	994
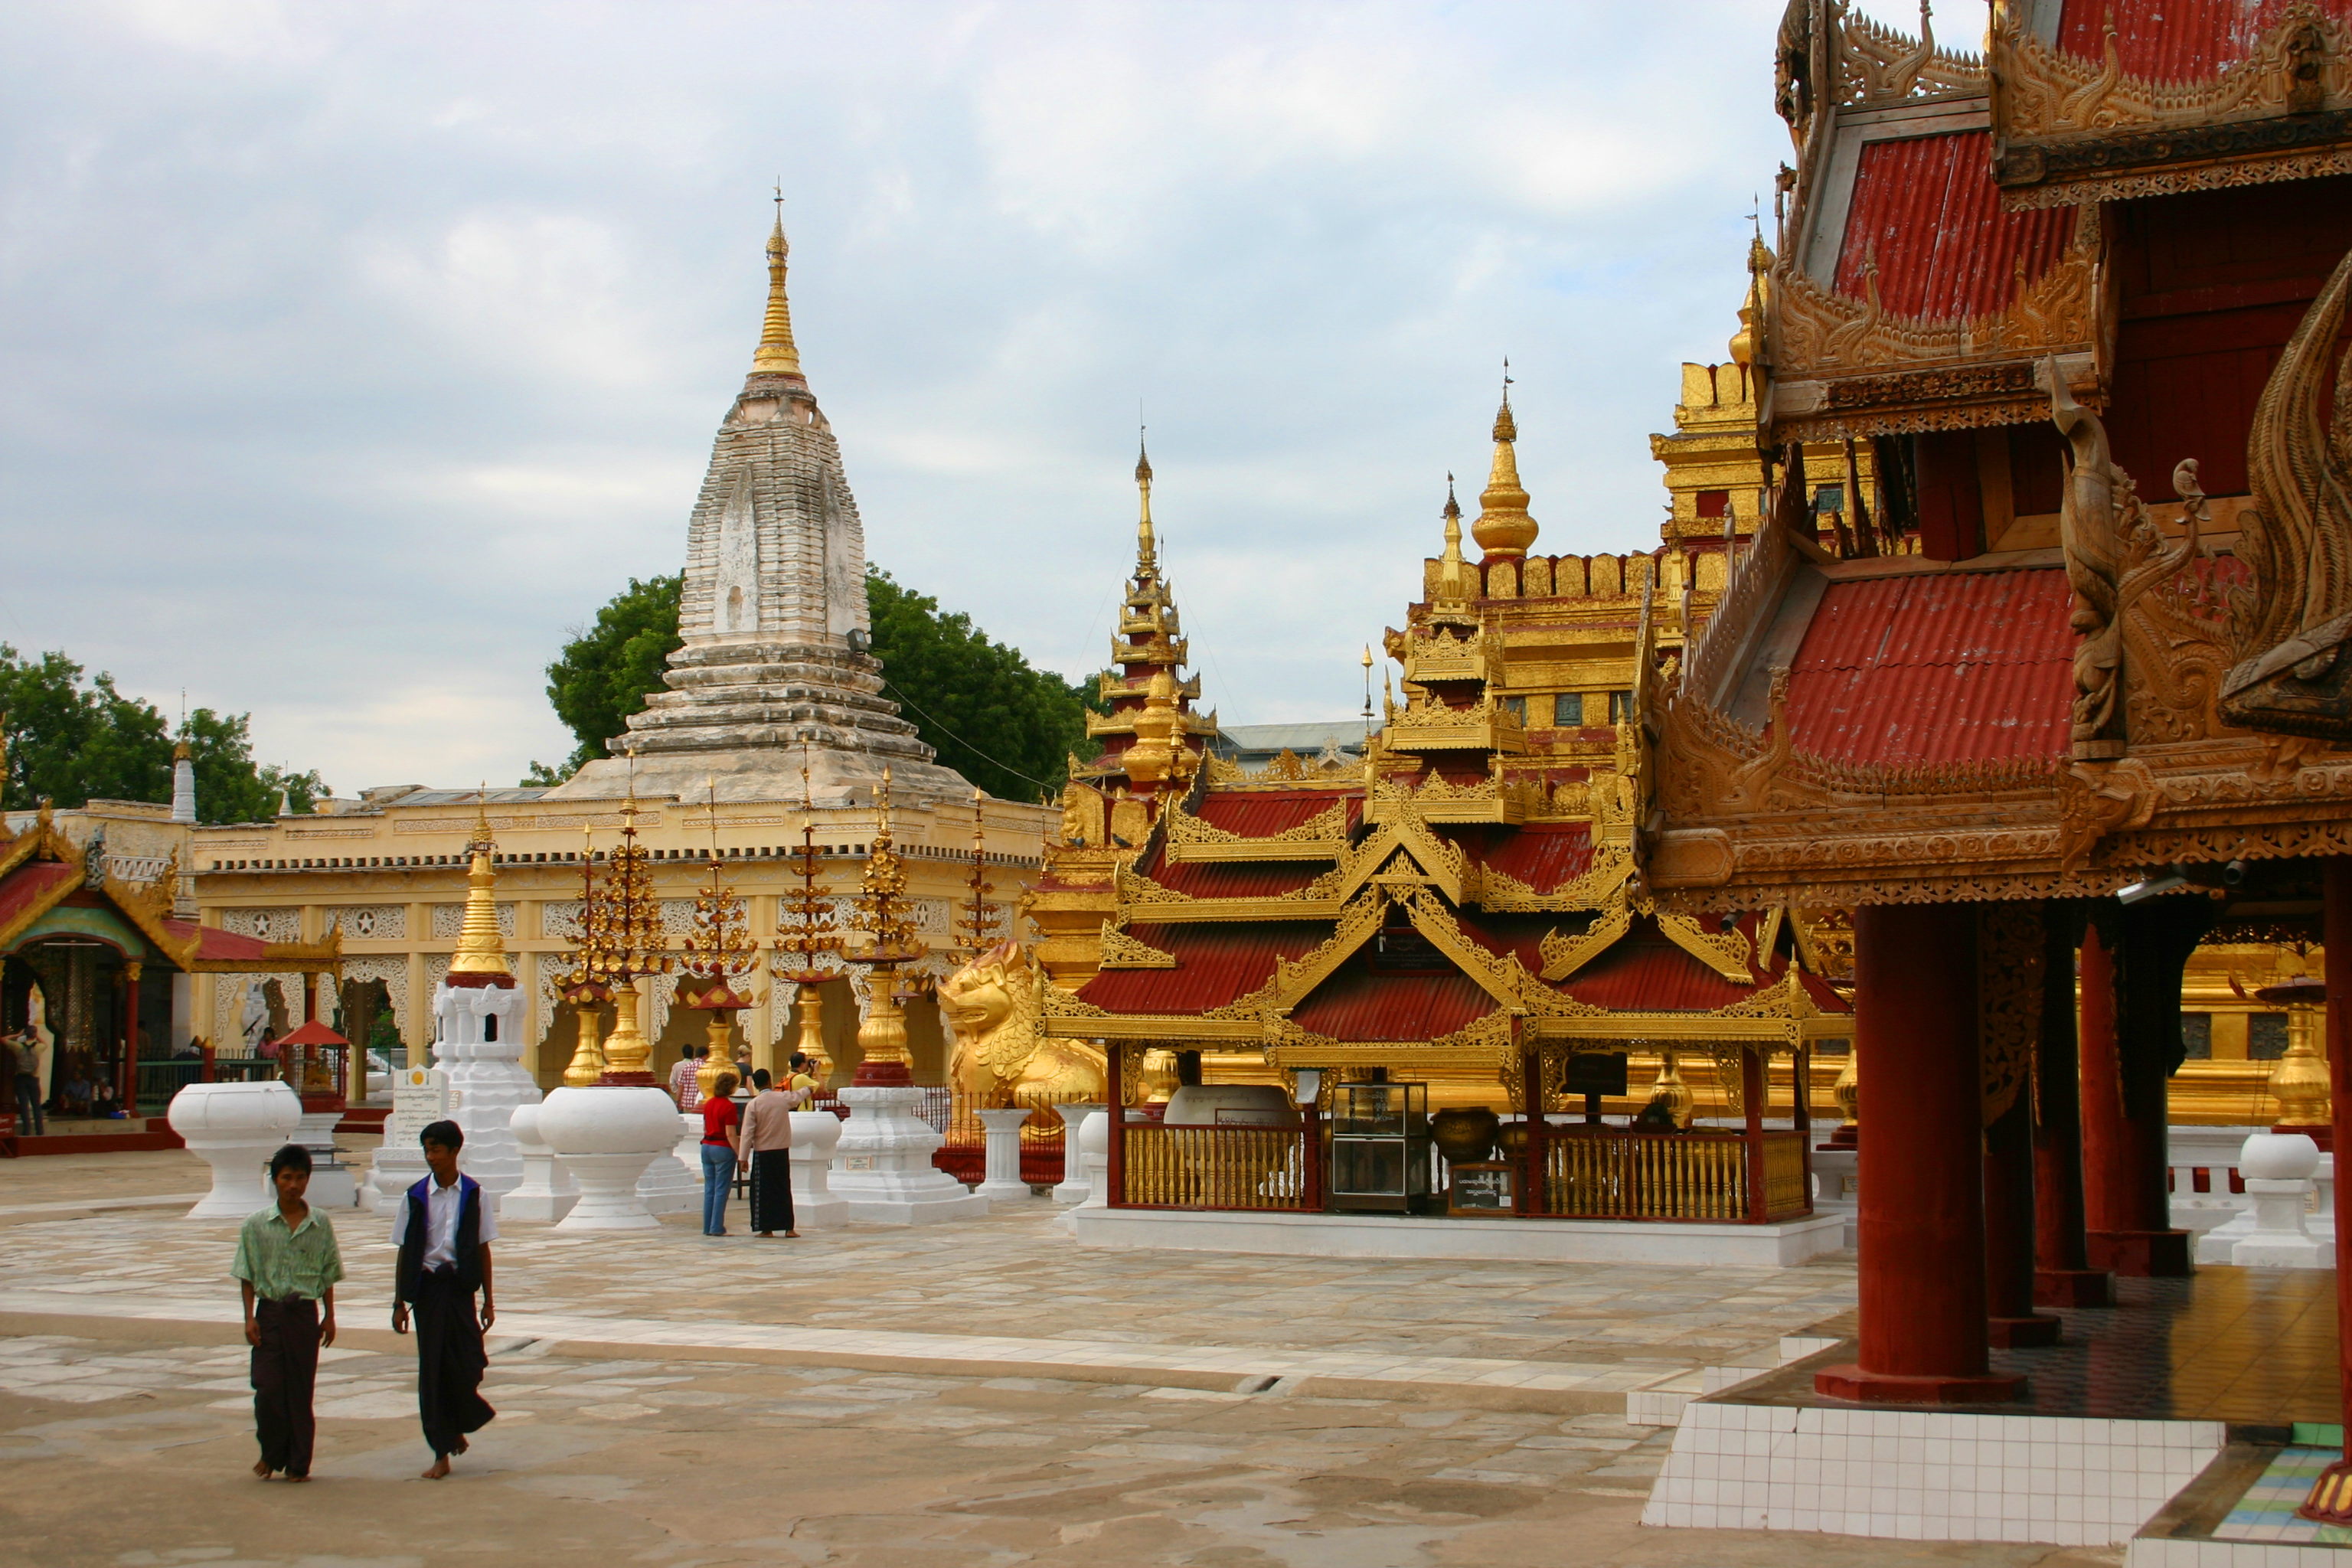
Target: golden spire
480	950
777	355
1145	557
1504	530
1454	577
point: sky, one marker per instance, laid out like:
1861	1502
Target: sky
351	355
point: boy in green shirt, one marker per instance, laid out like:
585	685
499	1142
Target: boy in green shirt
287	1265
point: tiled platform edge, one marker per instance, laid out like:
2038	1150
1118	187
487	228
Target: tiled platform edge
1782	1246
1915	1475
2239	1513
1661	1403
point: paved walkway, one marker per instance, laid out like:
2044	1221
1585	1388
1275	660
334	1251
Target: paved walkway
978	1395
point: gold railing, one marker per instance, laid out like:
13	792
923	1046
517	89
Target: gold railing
1214	1167
1669	1175
1786	1192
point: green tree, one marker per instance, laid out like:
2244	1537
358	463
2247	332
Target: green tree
1003	725
73	739
1008	728
606	670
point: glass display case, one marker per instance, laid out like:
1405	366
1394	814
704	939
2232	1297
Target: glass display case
1379	1148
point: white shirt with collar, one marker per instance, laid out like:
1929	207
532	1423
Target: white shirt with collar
441	1206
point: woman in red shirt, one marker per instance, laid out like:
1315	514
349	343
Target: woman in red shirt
720	1152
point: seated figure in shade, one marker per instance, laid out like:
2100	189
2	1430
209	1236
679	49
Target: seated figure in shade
1658	1116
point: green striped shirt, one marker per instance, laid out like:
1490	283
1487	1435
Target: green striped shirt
303	1261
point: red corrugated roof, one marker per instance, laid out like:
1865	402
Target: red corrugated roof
1948	667
1358	1004
1925	209
29	883
1261	813
218	943
1643	972
2179	40
1244	880
1215	964
1542	855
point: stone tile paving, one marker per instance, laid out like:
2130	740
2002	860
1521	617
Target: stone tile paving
1019	1274
133	1458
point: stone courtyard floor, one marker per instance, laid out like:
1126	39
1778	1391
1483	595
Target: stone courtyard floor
983	1393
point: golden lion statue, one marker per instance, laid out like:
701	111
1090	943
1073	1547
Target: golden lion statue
1002	1054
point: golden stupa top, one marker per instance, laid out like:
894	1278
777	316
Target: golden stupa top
481	952
777	355
1146	556
1456	584
1504	528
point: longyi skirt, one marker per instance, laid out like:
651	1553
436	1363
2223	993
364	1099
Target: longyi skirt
772	1189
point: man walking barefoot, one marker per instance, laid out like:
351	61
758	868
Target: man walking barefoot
285	1267
443	1232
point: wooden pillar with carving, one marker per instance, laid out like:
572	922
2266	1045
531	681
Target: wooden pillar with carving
2010	952
1922	1168
2063	1276
2129	957
126	1093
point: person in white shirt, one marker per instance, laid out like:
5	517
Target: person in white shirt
444	1230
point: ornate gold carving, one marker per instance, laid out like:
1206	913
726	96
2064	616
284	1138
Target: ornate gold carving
1816	331
2114	554
2067	125
1506	894
1878	66
1324	837
1564	955
1425	724
1121	950
2294	619
1726	952
2010	950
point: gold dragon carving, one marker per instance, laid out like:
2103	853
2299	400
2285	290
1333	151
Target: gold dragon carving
2293	617
1002	1055
2302	62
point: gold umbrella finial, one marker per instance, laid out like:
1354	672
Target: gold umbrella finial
777	355
1504	530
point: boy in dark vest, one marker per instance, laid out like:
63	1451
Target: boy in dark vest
444	1231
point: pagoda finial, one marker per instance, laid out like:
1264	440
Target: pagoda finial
1453	570
481	951
777	355
1146	554
1504	530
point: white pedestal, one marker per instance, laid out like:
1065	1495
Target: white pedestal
814	1135
883	1164
1002	1177
548	1191
235	1128
485	1078
607	1137
1094	1151
1837	1188
2271	1233
1073	1188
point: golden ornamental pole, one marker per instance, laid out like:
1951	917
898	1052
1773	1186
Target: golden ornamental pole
632	950
806	931
884	918
581	987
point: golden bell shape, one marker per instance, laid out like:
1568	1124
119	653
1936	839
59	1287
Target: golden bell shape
1504	530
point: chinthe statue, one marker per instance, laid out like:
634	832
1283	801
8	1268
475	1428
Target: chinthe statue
1002	1056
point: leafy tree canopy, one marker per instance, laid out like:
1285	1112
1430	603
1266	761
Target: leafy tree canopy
1003	725
606	670
73	739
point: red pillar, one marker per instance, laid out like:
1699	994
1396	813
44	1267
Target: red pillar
1752	1088
2331	1496
2010	1317
2063	1276
2127	1211
1922	1167
1115	1145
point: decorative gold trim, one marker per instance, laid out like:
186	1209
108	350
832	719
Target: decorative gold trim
1189	839
1121	950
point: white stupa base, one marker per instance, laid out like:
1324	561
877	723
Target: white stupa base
607	1137
392	1172
673	1183
548	1191
235	1128
882	1167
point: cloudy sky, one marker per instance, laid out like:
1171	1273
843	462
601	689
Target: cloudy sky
350	353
